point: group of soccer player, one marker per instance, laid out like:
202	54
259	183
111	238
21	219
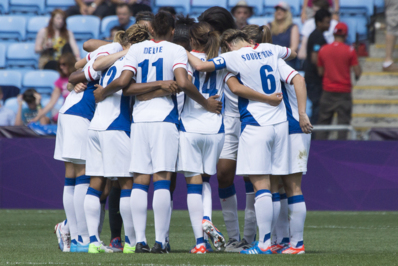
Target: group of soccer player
206	99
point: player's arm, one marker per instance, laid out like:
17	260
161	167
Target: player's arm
199	65
77	77
302	53
301	93
104	62
245	92
153	89
357	71
93	44
81	63
285	53
153	94
116	85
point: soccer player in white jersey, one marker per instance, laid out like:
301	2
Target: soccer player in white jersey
263	143
154	134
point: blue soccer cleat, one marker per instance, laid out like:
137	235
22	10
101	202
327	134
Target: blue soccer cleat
257	250
208	246
73	247
82	248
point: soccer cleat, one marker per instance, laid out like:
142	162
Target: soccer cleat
168	248
128	249
82	248
142	247
73	247
63	239
256	250
199	250
276	247
292	250
208	246
214	234
231	245
157	248
116	244
241	245
107	249
94	249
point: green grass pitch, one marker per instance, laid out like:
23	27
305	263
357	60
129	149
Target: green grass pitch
331	238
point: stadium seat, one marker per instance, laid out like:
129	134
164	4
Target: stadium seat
12	28
84	27
258	5
269	6
4	7
10	78
298	22
379	6
63	4
83	53
108	23
181	6
22	55
12	104
352	24
40	80
34	25
263	20
198	6
357	7
27	6
2	55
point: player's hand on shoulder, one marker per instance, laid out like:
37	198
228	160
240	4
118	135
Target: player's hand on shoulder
305	123
213	105
169	86
80	87
99	93
275	99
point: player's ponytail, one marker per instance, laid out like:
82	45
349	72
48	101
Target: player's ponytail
136	33
162	23
119	37
258	34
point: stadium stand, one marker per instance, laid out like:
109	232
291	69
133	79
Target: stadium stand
12	104
27	6
2	55
22	55
352	28
357	7
198	6
34	25
258	6
12	28
40	80
10	78
4	7
63	4
180	5
84	27
108	23
262	20
270	4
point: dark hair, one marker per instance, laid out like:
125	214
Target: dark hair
144	15
181	31
169	9
28	96
321	14
63	31
219	18
162	23
258	34
123	5
202	34
230	36
117	28
70	60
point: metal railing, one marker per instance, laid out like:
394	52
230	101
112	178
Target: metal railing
353	132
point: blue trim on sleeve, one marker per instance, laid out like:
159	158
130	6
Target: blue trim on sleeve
194	188
162	184
227	192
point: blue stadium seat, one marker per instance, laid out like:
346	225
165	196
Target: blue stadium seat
298	22
198	6
108	23
12	28
22	55
40	80
10	78
263	20
27	6
269	6
379	6
12	104
4	6
357	7
181	6
84	27
63	4
83	53
257	4
2	55
34	25
352	24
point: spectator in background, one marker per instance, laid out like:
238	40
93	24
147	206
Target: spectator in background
135	6
315	42
284	32
54	40
25	115
99	8
335	62
242	12
123	13
308	11
66	66
391	7
113	33
309	27
169	9
7	116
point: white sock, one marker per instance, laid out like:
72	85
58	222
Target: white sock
65	227
264	212
171	211
195	210
276	206
92	209
282	226
82	184
297	213
250	227
69	191
206	197
125	212
102	216
229	207
139	205
161	209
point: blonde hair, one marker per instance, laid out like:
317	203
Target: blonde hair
281	27
134	34
258	34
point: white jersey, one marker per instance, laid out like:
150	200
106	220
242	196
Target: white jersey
152	61
106	49
113	113
287	73
231	101
195	118
309	27
257	68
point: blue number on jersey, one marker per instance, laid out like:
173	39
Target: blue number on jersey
145	65
211	88
110	72
265	78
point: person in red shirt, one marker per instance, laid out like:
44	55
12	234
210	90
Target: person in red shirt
335	62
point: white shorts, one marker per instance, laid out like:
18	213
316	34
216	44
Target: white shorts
199	153
299	148
232	132
108	154
263	150
71	139
154	147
